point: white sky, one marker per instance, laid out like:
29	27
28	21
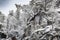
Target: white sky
11	6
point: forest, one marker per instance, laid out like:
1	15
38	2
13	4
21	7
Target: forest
40	20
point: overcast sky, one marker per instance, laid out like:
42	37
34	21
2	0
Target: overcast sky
6	5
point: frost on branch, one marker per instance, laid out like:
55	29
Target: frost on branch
39	20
